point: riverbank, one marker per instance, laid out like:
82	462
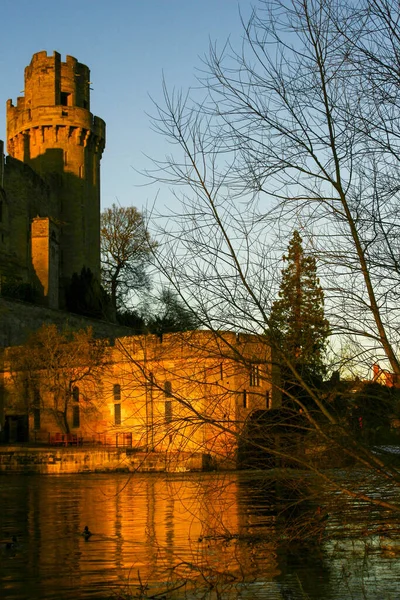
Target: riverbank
70	460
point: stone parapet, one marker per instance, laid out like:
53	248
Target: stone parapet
62	461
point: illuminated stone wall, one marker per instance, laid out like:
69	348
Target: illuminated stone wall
185	392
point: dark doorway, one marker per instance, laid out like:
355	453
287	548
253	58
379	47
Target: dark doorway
16	429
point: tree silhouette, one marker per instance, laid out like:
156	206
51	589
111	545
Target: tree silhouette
298	326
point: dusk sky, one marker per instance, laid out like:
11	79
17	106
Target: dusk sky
128	46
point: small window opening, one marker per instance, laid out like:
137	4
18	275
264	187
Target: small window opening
66	99
244	399
76	417
75	394
36	418
117	414
117	392
168	389
267	400
168	411
36	409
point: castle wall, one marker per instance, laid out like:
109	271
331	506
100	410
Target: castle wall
19	319
25	196
181	393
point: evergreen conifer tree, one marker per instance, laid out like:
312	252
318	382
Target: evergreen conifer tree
298	326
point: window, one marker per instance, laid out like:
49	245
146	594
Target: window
117	414
168	389
168	411
244	399
255	375
75	394
75	416
36	418
66	99
267	400
36	408
117	392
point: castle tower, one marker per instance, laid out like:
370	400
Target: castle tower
53	131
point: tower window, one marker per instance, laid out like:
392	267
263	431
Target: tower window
66	99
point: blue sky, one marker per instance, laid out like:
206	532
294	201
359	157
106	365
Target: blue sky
128	45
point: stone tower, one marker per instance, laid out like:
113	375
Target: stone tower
52	130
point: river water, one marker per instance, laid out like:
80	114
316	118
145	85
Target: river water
236	535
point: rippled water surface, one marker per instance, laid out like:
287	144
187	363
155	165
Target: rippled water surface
236	535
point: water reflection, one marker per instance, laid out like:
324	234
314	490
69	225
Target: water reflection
243	536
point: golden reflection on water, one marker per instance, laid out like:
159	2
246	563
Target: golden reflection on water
214	532
147	530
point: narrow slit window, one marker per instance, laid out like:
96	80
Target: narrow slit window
245	399
117	414
36	418
36	408
75	394
168	411
168	389
117	392
76	417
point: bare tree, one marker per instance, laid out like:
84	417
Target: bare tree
126	249
296	130
51	366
